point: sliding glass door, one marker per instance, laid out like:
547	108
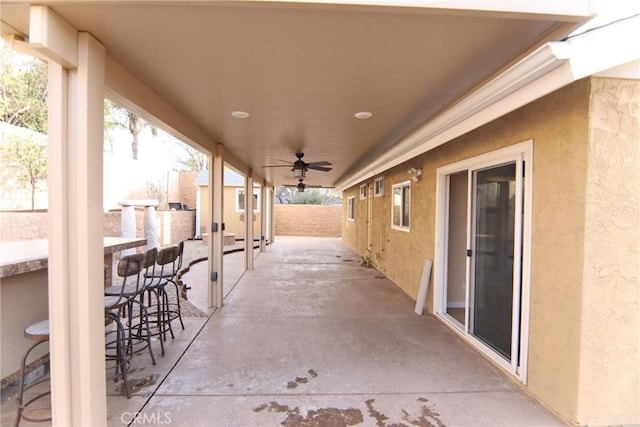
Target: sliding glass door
482	244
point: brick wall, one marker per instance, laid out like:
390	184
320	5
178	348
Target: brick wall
308	220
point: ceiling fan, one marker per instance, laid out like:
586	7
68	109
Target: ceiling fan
300	167
301	186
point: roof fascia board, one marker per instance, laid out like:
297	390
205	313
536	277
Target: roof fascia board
128	91
605	47
560	10
498	97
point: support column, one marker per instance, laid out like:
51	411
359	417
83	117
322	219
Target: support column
216	238
248	222
128	225
150	225
272	210
76	308
263	217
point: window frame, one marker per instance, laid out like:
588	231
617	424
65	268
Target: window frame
403	186
378	186
256	194
363	191
351	208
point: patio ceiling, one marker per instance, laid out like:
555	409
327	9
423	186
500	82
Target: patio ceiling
302	70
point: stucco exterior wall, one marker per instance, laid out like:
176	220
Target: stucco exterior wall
559	126
611	288
308	220
24	301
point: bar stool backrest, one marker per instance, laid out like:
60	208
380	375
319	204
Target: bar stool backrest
149	266
168	260
129	268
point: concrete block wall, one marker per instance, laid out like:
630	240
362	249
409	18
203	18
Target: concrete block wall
173	226
308	220
23	225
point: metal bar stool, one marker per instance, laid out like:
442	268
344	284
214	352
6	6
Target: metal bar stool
138	331
38	332
129	269
156	281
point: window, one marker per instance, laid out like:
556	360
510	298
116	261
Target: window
401	206
240	200
378	186
351	210
363	191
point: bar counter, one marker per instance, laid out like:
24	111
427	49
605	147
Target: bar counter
24	256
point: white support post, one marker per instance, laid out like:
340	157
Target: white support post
272	210
216	239
264	191
59	310
248	221
76	270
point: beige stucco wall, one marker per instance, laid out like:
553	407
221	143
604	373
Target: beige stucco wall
609	390
564	169
23	301
232	221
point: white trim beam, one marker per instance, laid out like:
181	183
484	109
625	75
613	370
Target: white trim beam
53	37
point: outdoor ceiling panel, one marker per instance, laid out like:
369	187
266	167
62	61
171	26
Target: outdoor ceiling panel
302	71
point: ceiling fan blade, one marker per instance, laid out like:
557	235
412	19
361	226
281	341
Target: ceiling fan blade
319	168
322	163
277	166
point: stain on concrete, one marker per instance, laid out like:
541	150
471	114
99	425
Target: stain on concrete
428	418
301	380
315	418
379	416
138	384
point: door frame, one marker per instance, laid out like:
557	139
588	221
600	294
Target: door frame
523	151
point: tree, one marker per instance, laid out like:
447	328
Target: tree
310	196
23	91
193	160
27	159
119	117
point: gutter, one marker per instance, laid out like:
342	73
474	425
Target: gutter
547	69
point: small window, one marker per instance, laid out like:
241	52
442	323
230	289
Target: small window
351	209
401	206
240	200
363	191
378	186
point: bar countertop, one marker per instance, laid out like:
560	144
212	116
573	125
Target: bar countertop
22	256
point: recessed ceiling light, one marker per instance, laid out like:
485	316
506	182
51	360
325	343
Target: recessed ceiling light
240	114
363	115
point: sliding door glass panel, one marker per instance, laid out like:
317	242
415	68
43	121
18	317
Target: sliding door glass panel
494	214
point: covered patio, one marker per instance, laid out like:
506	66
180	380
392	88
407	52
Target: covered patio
312	337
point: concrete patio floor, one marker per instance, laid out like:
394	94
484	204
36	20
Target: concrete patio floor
312	338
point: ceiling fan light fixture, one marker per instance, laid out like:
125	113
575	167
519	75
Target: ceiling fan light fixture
299	172
240	114
363	115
